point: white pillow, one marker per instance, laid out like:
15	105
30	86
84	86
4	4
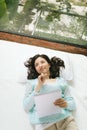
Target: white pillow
13	56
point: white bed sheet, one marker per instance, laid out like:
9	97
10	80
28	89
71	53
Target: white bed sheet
13	79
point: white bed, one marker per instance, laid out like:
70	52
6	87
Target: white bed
13	80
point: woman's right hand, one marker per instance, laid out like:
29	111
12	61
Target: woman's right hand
41	79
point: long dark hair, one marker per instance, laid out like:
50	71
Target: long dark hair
55	64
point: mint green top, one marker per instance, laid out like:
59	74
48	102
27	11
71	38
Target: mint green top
29	103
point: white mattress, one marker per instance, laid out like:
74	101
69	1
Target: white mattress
13	80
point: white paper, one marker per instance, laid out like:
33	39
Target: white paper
45	103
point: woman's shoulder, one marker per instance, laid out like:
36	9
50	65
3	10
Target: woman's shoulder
32	81
61	80
62	83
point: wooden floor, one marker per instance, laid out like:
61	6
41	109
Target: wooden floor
42	43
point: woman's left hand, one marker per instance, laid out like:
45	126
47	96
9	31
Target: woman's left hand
61	103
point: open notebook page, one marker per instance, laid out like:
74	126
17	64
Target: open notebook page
45	103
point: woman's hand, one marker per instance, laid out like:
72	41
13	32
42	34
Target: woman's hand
61	103
41	79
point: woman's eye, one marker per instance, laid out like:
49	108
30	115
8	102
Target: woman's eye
36	65
42	62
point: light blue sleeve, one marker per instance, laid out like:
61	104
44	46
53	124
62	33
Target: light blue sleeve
70	100
68	96
28	101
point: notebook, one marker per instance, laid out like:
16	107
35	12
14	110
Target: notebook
44	103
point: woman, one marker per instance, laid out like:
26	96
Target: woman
44	76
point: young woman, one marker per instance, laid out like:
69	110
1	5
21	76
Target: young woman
44	76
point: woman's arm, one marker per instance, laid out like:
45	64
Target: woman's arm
67	101
32	90
28	101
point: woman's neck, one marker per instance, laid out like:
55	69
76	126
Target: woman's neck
47	75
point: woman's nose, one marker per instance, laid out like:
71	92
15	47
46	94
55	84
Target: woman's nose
40	66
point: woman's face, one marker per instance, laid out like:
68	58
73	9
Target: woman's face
41	65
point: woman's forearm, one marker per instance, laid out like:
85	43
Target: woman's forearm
71	104
38	87
29	102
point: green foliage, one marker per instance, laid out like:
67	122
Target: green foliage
53	15
3	8
12	7
3	15
30	4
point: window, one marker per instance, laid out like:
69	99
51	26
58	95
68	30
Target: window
56	20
